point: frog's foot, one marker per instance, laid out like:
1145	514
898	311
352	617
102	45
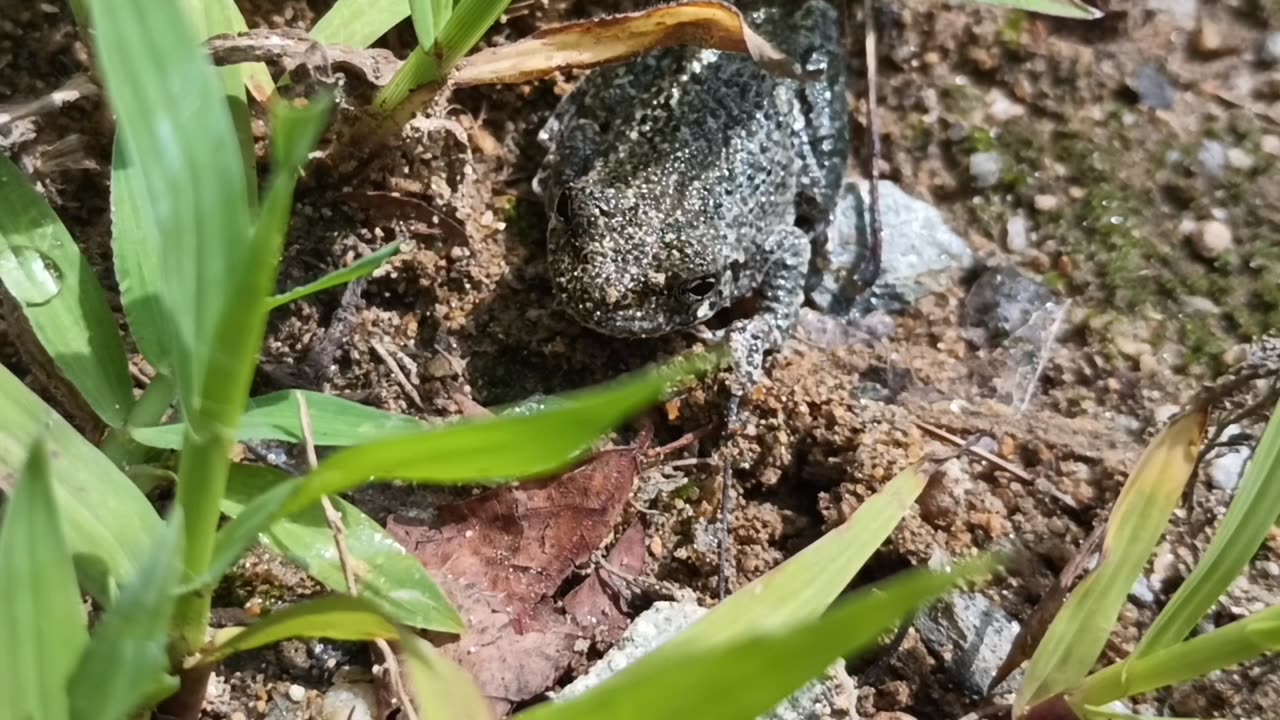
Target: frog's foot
749	340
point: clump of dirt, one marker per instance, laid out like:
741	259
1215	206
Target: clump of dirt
1102	189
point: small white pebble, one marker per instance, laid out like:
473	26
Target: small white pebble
1045	203
1213	239
1270	144
297	693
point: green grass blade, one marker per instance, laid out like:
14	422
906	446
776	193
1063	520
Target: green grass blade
43	270
744	678
358	269
1101	713
336	617
358	23
1252	514
335	422
395	582
1078	634
1238	642
171	111
129	654
223	16
424	21
469	21
1060	8
242	532
440	11
108	524
202	472
42	623
802	587
505	446
442	689
136	251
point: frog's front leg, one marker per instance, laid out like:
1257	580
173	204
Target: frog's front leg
781	292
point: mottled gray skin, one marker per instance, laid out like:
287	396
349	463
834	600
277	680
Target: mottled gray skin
682	182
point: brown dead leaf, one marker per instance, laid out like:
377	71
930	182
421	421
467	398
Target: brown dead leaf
596	604
289	49
618	38
510	658
521	541
500	556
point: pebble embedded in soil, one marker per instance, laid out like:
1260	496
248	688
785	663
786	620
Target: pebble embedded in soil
350	701
1212	159
1152	87
831	698
1184	13
923	247
975	634
297	693
1016	234
1212	239
1269	49
1045	203
985	168
1226	470
1003	300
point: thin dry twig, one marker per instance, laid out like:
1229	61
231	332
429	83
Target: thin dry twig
976	451
870	269
79	86
397	373
339	531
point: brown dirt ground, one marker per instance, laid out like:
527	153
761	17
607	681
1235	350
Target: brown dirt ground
466	309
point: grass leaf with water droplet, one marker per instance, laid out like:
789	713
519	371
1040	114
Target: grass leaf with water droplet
63	302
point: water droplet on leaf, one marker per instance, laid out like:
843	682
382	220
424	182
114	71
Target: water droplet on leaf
29	275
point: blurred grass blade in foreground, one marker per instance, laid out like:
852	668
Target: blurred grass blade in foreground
42	621
108	525
1249	520
1076	637
748	675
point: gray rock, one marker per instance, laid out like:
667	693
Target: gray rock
1152	87
918	248
1003	300
985	168
1226	470
1212	159
831	698
1142	593
1269	49
350	701
975	635
1184	13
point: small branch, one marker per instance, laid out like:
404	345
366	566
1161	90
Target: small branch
976	451
339	531
870	269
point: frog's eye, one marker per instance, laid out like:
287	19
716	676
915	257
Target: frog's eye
562	206
700	287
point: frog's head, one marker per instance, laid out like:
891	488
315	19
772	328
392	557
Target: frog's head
628	272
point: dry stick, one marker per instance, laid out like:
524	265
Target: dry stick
397	373
967	446
344	559
870	269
